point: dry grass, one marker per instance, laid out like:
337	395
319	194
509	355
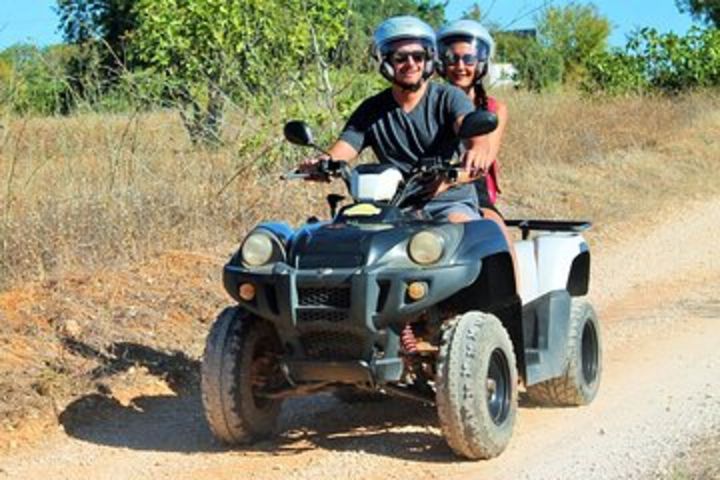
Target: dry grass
93	190
609	161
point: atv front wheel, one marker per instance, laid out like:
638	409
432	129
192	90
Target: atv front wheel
476	386
240	359
580	383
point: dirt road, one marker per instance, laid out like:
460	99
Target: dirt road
657	292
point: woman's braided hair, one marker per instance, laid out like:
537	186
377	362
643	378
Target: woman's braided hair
481	96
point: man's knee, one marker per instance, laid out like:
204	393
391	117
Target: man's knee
460	217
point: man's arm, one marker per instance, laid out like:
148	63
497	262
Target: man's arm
340	150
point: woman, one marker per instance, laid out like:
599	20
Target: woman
465	49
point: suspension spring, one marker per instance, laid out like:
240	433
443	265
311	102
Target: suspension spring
408	340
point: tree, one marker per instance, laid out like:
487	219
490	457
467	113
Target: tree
33	79
473	13
210	49
652	61
100	30
575	32
705	10
106	20
539	67
366	15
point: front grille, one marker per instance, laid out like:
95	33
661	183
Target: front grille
338	297
317	315
332	345
306	261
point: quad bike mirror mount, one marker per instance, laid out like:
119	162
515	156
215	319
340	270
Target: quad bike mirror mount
479	122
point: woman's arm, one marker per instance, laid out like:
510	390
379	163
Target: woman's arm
495	138
483	150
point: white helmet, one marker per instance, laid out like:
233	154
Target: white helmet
468	31
403	28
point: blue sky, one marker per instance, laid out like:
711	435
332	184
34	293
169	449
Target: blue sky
35	20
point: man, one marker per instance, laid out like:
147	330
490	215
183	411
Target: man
414	118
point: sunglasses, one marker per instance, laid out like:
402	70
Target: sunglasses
398	58
468	59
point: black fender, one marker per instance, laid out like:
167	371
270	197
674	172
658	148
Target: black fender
579	279
494	290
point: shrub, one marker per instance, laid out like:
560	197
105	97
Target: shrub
658	62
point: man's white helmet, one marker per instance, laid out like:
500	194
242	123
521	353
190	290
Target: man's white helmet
403	28
468	31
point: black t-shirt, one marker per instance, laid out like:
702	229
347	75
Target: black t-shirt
401	138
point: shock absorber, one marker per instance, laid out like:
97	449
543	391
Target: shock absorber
408	340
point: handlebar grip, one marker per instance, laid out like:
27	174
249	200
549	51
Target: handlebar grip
294	175
330	166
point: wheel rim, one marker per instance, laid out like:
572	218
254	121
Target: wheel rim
589	352
498	387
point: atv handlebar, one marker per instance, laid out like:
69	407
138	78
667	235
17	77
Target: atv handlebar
324	169
437	166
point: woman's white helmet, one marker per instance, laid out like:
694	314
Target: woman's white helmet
403	28
472	32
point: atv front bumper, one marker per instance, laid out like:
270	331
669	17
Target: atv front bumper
343	314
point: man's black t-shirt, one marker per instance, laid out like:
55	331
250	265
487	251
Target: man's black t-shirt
404	138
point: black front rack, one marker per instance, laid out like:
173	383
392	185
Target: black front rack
548	226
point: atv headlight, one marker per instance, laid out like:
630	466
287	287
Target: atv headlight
426	247
258	249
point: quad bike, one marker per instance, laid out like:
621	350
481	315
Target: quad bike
383	301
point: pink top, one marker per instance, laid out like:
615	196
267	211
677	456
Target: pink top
492	176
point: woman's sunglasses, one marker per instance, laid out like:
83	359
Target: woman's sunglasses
399	58
468	59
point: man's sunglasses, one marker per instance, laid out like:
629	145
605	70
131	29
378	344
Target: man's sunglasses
398	58
468	59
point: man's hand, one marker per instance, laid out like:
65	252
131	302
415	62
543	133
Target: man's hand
310	166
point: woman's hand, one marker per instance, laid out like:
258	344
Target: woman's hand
477	158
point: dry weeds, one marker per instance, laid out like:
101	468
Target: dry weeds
94	190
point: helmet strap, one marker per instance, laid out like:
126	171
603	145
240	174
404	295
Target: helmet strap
480	74
387	70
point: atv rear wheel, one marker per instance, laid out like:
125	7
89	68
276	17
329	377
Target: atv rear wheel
240	359
580	383
476	386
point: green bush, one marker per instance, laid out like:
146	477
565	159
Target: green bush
32	80
658	62
615	73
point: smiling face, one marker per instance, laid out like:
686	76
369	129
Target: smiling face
408	60
458	72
